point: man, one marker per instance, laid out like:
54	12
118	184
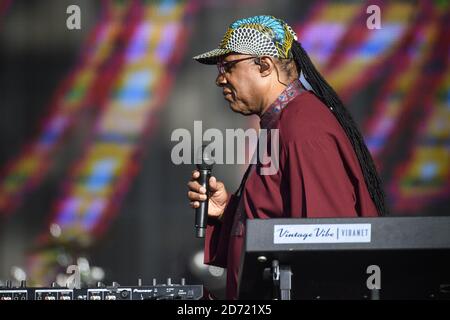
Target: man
325	169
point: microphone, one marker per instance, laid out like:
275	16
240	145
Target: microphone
205	164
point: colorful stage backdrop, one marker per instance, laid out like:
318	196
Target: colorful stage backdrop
126	69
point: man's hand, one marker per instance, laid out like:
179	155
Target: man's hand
218	195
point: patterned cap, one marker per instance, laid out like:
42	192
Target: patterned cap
258	35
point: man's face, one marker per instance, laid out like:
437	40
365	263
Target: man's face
239	83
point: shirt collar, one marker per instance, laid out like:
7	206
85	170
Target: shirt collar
272	113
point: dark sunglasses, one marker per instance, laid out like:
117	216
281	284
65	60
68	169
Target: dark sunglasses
225	66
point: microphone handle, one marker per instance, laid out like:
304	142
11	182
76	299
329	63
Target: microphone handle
201	213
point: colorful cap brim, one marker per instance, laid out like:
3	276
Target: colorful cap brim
211	57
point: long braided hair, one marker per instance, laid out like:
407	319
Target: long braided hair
329	97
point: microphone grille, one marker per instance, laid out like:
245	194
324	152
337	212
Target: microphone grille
204	158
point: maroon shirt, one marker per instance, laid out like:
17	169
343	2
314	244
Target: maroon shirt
319	176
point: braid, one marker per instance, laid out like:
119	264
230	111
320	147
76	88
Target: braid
329	97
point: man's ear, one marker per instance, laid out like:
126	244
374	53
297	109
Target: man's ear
265	65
